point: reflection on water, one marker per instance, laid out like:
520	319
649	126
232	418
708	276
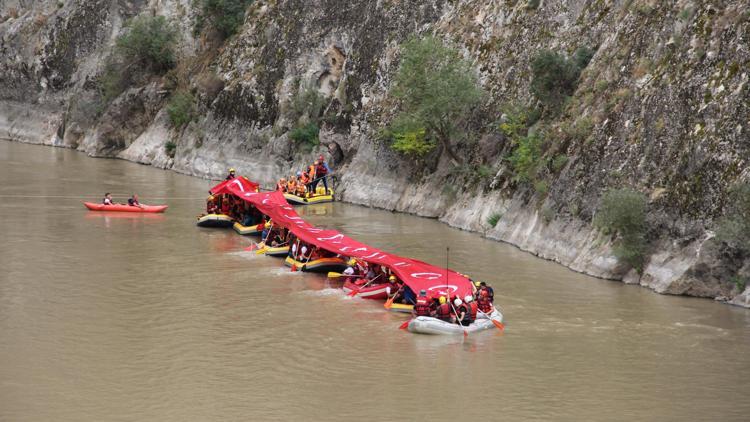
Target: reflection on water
147	317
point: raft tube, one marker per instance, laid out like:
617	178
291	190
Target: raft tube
246	230
124	207
278	251
430	325
315	199
321	265
401	307
373	291
215	220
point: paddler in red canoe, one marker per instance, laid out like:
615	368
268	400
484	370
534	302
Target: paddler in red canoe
107	199
133	201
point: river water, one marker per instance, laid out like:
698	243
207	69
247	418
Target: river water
149	318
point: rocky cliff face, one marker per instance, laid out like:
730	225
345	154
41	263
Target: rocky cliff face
662	107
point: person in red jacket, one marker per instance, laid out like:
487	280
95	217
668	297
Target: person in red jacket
469	300
423	307
483	301
443	311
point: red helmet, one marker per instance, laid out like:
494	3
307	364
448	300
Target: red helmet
321	158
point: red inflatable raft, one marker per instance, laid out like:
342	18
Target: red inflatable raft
124	208
373	291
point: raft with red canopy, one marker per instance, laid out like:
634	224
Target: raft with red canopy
415	274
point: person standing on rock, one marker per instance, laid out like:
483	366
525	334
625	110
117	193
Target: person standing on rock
231	175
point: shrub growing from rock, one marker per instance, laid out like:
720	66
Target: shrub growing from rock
623	213
734	227
150	42
437	89
181	108
225	15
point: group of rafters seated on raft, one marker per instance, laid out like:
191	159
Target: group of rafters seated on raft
276	236
304	252
305	182
234	207
454	309
450	309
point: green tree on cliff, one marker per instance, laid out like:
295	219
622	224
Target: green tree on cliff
437	89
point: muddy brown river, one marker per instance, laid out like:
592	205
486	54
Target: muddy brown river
149	318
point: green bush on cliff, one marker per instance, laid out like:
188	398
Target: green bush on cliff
734	227
225	15
436	89
181	108
555	77
306	135
150	42
526	157
623	213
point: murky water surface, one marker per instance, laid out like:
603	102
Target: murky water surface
137	317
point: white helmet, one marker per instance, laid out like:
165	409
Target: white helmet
468	299
457	302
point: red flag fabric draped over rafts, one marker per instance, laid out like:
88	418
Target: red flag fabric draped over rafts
416	274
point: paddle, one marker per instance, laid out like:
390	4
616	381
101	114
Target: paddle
304	266
497	324
354	292
263	241
459	320
389	302
404	325
333	274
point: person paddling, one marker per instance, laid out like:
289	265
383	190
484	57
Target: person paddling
423	306
133	201
107	199
463	312
443	311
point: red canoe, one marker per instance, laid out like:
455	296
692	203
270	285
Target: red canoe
125	208
373	291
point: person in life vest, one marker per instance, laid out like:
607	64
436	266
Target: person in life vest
321	174
443	311
211	207
483	301
107	199
226	205
291	185
281	185
423	307
231	175
301	188
304	178
469	300
490	290
311	170
133	201
463	311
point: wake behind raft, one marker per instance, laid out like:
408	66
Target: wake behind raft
334	249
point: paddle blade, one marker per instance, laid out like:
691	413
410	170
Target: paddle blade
466	334
250	248
294	268
353	293
499	325
389	302
334	275
404	325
